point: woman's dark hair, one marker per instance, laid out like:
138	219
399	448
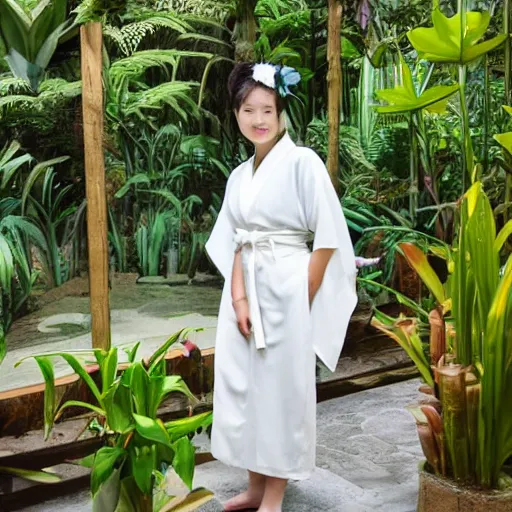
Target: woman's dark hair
241	84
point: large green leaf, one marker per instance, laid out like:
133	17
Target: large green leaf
46	367
31	40
159	354
108	367
505	139
117	403
143	461
185	426
104	465
79	403
14	26
404	98
107	497
42	477
184	460
75	365
480	235
134	180
503	235
153	430
418	262
442	42
139	385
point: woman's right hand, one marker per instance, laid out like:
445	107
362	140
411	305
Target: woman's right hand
243	318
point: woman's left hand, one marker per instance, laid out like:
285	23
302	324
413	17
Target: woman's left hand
317	265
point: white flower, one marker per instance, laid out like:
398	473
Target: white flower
265	74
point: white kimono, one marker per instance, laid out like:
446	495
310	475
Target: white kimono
265	387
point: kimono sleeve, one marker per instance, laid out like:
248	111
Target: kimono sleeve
221	245
336	299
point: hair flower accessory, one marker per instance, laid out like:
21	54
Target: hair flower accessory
285	78
265	74
280	78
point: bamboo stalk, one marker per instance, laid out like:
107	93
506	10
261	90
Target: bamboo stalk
334	87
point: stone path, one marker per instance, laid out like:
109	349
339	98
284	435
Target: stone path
367	458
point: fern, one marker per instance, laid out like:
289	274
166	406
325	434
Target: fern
175	94
52	92
13	85
216	10
129	36
132	67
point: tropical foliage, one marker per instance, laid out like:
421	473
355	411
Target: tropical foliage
469	368
134	466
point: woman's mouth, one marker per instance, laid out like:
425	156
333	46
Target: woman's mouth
261	131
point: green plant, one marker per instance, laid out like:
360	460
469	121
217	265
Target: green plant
31	39
505	139
43	477
59	222
404	99
456	40
18	236
138	447
471	372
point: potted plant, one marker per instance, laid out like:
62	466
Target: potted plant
465	428
144	465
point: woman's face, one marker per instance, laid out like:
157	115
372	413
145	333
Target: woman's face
257	118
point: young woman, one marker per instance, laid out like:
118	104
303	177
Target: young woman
281	304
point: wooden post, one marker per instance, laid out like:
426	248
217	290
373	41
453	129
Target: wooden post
91	42
334	87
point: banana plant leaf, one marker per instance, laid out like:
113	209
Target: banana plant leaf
31	39
505	139
404	98
442	42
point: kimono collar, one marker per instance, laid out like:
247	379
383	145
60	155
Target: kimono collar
284	145
252	182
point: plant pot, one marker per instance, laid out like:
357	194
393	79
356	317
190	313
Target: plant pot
442	495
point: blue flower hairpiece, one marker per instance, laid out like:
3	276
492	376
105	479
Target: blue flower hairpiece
285	78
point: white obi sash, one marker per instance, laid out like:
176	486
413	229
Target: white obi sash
257	240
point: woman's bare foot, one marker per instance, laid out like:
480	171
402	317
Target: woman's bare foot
247	500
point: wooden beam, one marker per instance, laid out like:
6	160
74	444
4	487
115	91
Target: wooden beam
334	87
91	42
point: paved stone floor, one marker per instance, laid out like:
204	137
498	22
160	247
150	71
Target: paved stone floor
367	458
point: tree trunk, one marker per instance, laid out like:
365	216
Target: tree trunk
244	33
92	100
334	87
